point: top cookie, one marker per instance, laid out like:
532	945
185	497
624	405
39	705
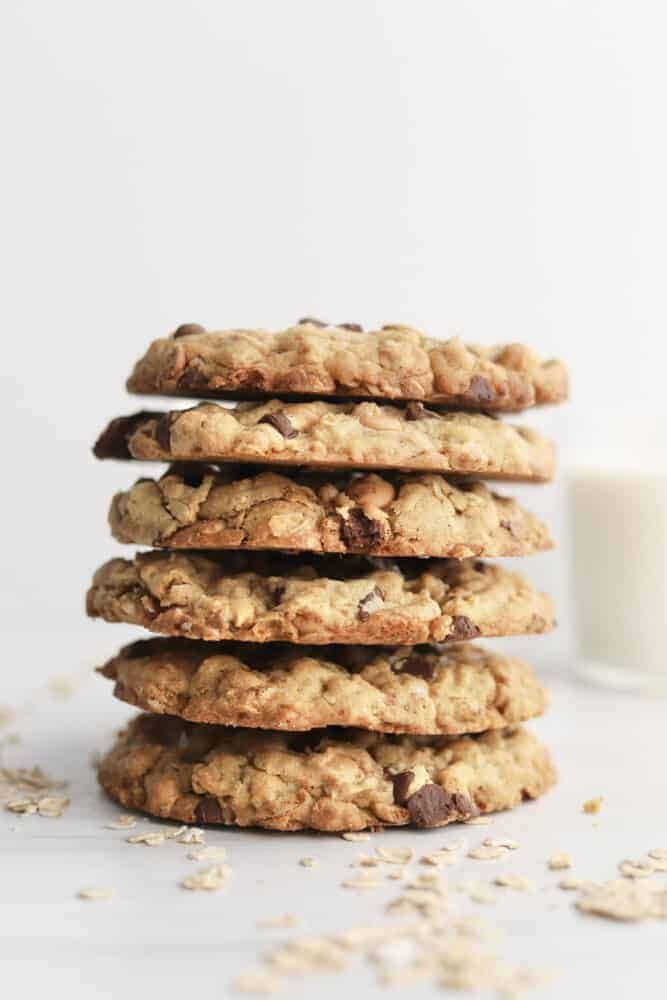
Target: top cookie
344	361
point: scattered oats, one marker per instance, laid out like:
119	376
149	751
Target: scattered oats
286	920
7	715
395	856
636	869
355	837
208	854
33	779
307	955
455	845
624	900
479	821
95	892
658	853
209	879
362	882
366	861
593	805
657	864
571	884
481	893
258	981
439	859
426	881
519	882
150	838
559	861
309	862
124	822
397	874
188	835
52	806
64	686
23	806
510	845
487	853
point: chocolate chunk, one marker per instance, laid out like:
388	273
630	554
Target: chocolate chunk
369	601
480	390
188	330
464	806
354	327
162	432
193	379
281	424
463	628
401	784
208	810
418	666
166	731
112	442
417	411
192	473
359	531
312	321
430	805
277	594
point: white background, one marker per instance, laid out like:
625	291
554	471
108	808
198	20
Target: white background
493	168
490	168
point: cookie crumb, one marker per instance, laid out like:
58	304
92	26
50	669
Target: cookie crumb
593	805
309	862
95	893
558	861
356	838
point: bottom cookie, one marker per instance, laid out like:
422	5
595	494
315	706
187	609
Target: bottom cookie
328	779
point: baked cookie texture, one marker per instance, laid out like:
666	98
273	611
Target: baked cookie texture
255	598
423	690
313	358
334	435
200	507
330	780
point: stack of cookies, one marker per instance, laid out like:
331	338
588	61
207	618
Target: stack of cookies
315	567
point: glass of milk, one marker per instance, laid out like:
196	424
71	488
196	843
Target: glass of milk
618	514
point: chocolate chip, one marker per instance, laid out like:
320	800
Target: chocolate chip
208	810
113	441
430	805
188	330
277	593
463	628
417	411
480	390
162	432
371	598
418	666
359	531
163	730
193	379
191	473
354	327
312	321
281	424
401	784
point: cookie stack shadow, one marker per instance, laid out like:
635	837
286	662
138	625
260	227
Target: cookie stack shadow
315	568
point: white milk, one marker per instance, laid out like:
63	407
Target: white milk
619	538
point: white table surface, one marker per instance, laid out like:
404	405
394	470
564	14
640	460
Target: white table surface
155	938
